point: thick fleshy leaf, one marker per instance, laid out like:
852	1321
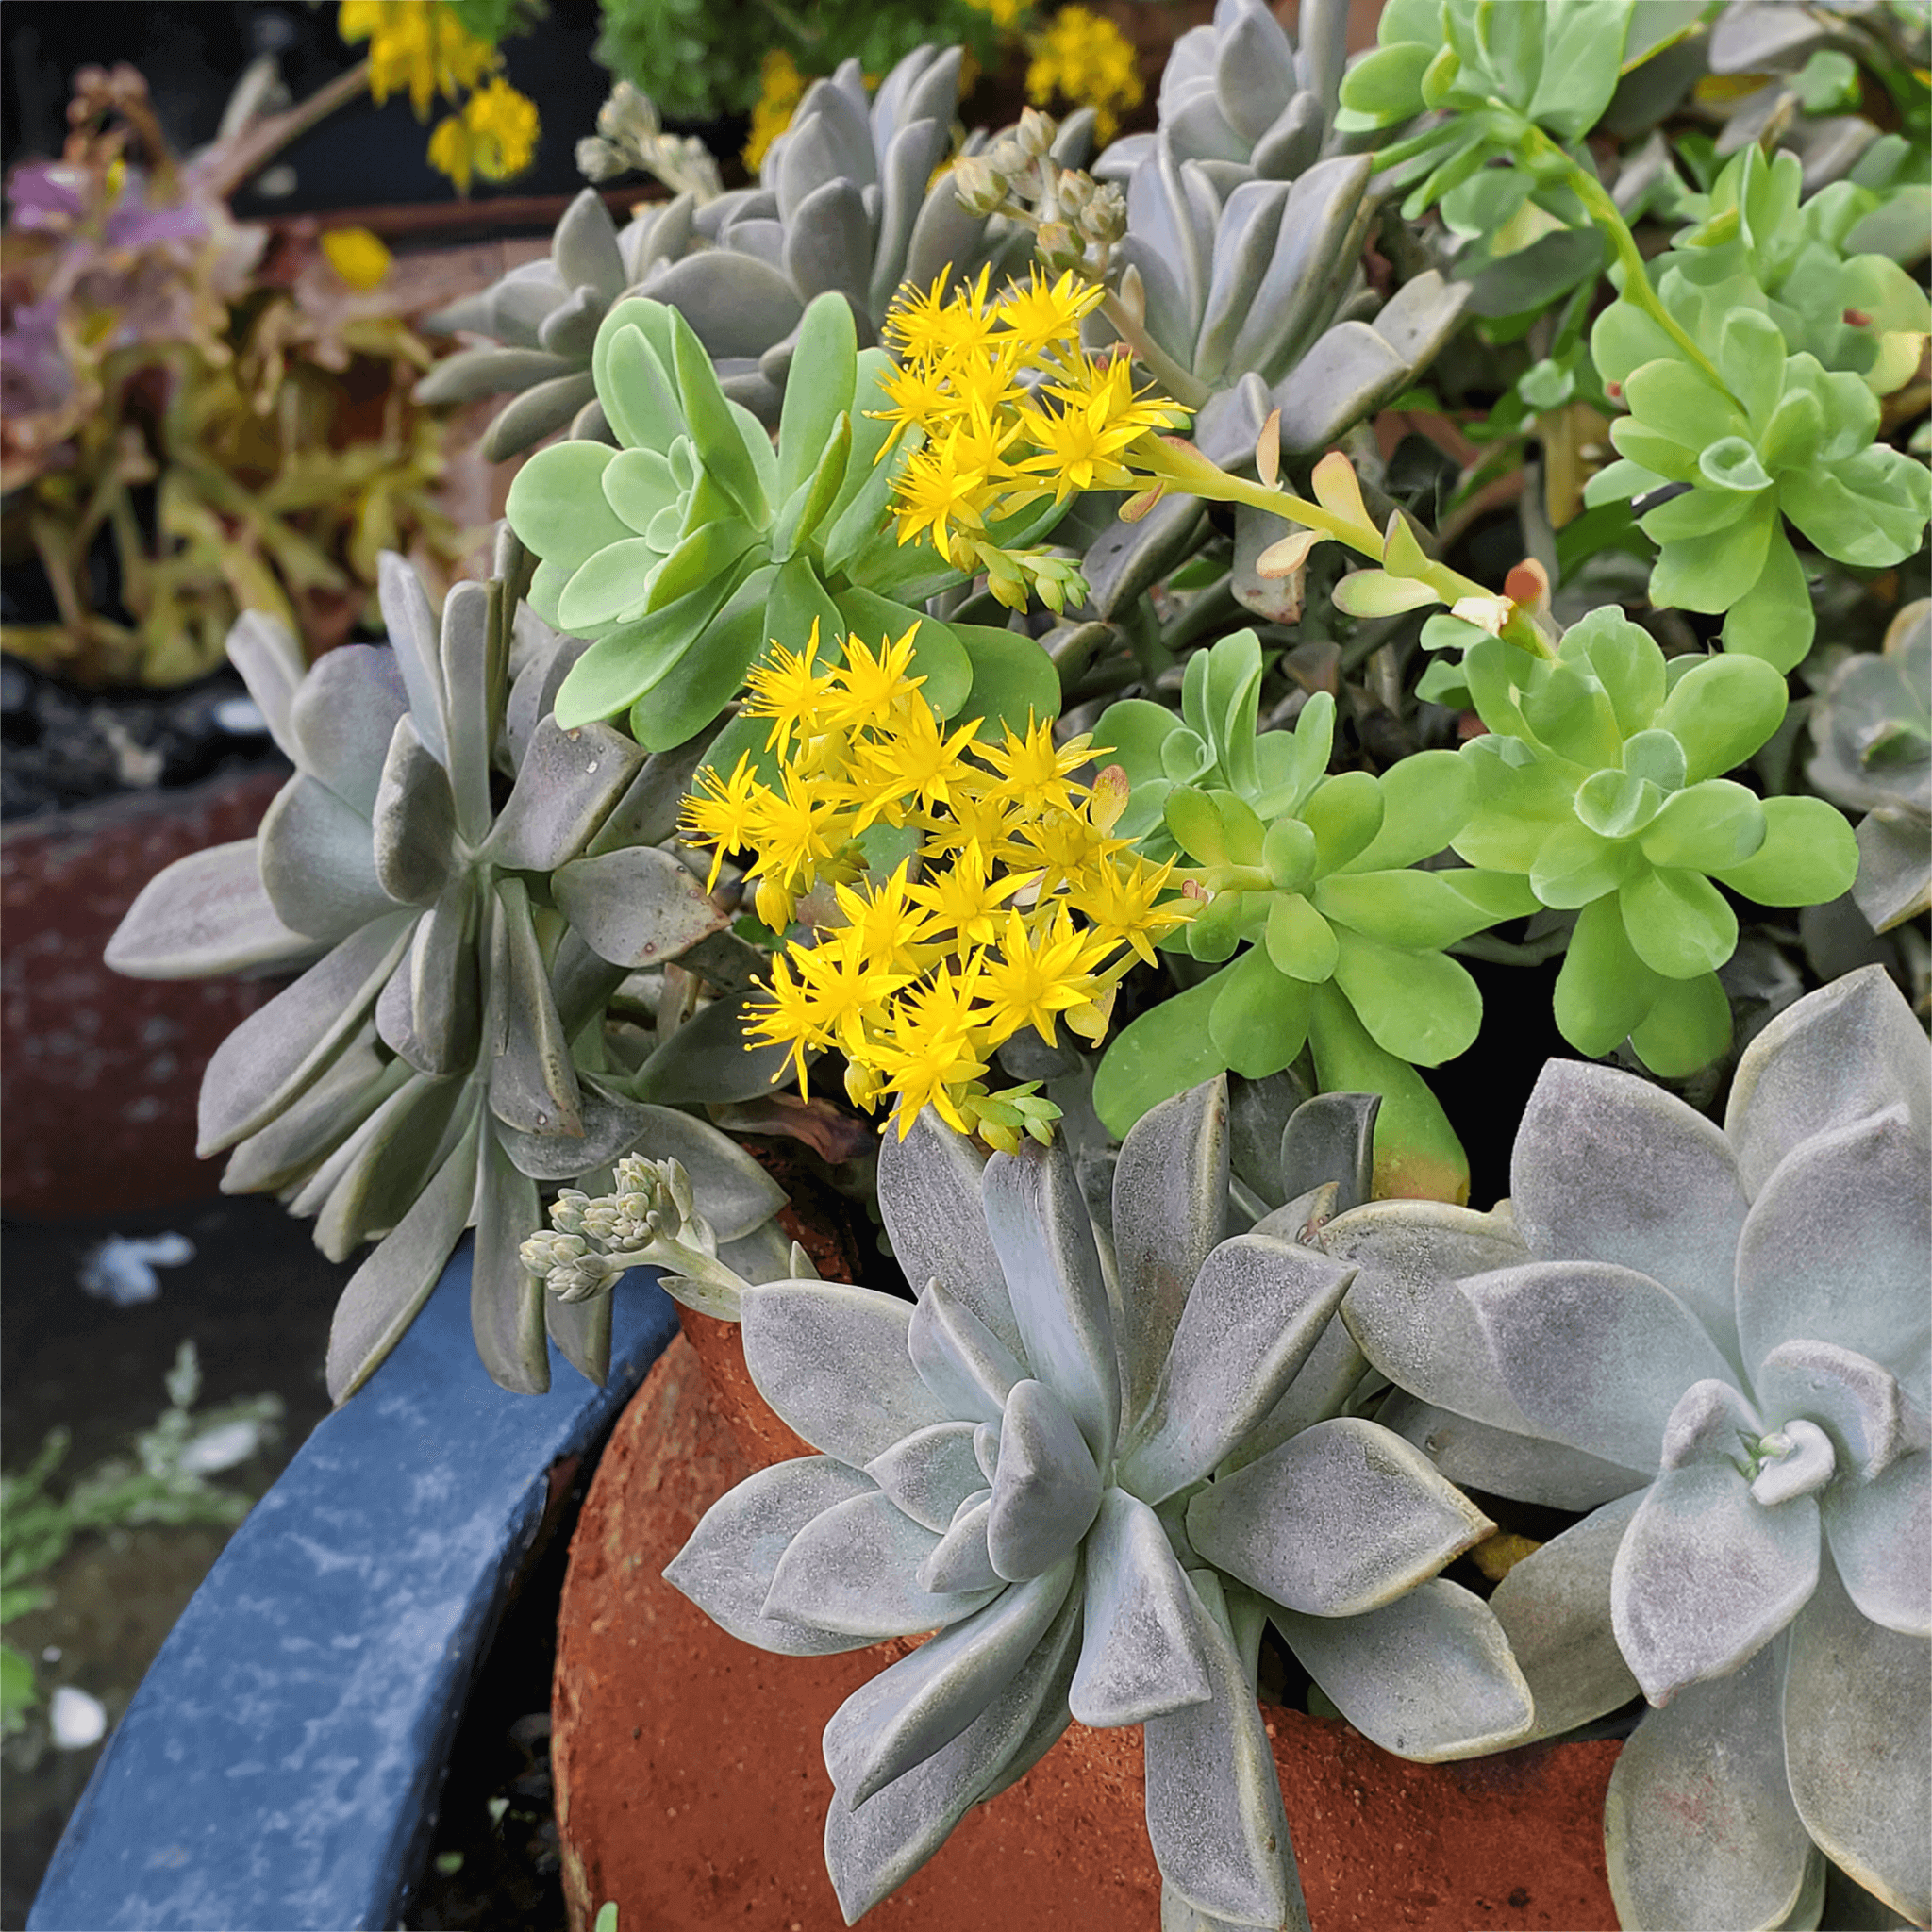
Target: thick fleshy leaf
929	1196
873	1850
309	1129
1848	1050
1610	1168
429	1012
1555	1608
854	1568
1405	1308
343	717
318	867
706	1061
507	1302
1332	1138
1805	1275
1258	1306
263	649
1169	1209
376	1174
412	829
384	1295
533	1082
1429	1676
280	1047
1045	1488
1706	1575
637	907
925	1701
961	1560
1474	1456
411	627
1040	1231
1857	1742
1699	1828
1141	1652
1879	1532
734	1193
832	1361
1340	1519
1214	1813
1595	1355
205	914
930	1473
567	783
968	1368
727	1565
1872	1421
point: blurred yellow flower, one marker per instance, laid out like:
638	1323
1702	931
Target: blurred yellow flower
1084	57
496	136
356	255
781	86
419	47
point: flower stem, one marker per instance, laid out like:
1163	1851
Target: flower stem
1181	384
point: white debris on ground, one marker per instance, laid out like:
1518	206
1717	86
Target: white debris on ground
75	1719
221	1448
122	1268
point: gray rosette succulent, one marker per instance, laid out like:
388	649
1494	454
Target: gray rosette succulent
477	882
1096	1466
846	201
1716	1343
1872	726
1240	98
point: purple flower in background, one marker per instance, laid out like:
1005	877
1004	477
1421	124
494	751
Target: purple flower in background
48	195
34	374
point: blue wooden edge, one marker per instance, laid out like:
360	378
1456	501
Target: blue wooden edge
280	1763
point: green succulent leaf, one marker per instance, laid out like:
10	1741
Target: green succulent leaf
1344	814
1165	1051
938	655
1298	939
1288	854
1617	805
1134	730
556	504
1711	825
1678	923
818	391
1720	711
1427	799
810	502
1868	510
1259	1019
609	676
1604	989
1731	464
1421	1007
1197	825
1625	660
710	669
1214	933
1711	572
1414	909
1575	866
1774	620
1014	684
728	451
1688	1024
1571	713
1809	858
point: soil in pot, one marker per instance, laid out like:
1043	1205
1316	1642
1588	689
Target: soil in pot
689	1786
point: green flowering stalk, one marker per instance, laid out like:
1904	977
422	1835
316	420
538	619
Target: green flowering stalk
1601	783
1325	934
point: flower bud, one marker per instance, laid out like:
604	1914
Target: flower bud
1035	133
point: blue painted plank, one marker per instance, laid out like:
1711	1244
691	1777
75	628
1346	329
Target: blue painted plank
280	1763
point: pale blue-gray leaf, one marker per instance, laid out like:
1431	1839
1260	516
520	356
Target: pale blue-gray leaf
506	1300
411	627
280	1047
585	248
637	907
832	1361
430	1011
263	649
1045	1488
1429	1676
1699	1830
1243	246
1254	71
343	717
1555	1608
828	243
1530	1468
473	651
968	1368
1706	1576
1349	372
1610	1168
930	1473
1879	1532
318	864
961	1560
412	829
566	786
1838	1248
925	1701
736	305
734	1193
533	1081
1850	1049
1331	1138
1045	1239
727	1565
854	1569
1259	1305
1214	1812
205	914
1340	1519
1869	1417
1297	295
1857	1746
1593	1355
929	1196
1169	1209
317	1121
1141	1651
873	1850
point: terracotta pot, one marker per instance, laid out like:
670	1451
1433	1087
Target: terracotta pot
690	1787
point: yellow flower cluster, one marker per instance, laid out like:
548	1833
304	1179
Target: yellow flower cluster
1084	57
421	48
958	890
1009	408
781	86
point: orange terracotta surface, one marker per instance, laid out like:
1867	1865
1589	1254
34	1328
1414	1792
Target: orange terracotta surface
690	1787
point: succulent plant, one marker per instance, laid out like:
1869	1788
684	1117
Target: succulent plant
423	1074
846	203
1311	879
1096	1467
685	550
1242	99
1600	779
1872	724
1716	1343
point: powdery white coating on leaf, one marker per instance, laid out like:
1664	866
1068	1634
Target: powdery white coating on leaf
1142	1651
727	1565
929	1473
1045	1491
962	1559
1503	1462
1607	1167
206	913
969	1370
1879	1533
1429	1676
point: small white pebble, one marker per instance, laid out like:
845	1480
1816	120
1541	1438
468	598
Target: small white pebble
75	1719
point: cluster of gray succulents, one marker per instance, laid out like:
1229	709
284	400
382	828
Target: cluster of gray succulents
467	884
1097	1460
846	201
1873	727
1716	1344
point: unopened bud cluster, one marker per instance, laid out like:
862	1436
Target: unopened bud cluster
1077	221
630	138
650	1216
